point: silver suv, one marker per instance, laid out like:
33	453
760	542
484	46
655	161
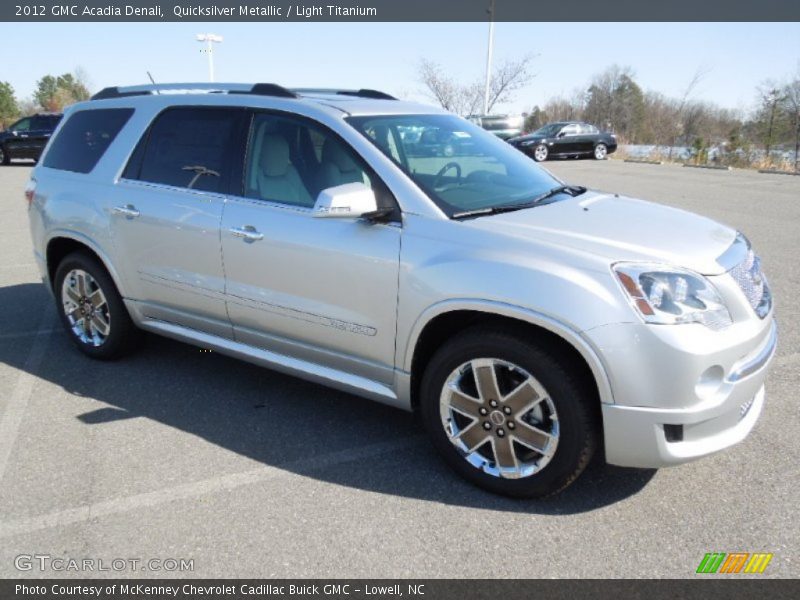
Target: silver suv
530	323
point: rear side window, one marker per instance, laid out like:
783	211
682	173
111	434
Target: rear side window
189	148
84	138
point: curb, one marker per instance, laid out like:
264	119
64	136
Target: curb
643	161
777	172
715	167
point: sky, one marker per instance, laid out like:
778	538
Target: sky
735	57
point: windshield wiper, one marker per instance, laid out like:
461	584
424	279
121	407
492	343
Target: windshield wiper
572	190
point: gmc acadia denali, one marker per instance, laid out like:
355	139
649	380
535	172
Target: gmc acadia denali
531	323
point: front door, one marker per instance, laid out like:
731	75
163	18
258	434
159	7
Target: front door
321	290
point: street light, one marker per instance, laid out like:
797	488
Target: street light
209	39
489	59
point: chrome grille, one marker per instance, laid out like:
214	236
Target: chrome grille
753	284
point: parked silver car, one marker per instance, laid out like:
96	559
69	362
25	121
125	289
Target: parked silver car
530	323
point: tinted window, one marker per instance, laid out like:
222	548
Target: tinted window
191	148
570	129
22	125
84	138
291	160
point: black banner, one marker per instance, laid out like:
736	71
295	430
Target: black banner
700	588
400	10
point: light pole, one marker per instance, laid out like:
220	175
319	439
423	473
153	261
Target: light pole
489	59
210	39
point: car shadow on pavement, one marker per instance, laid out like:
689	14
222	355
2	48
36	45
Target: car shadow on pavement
278	420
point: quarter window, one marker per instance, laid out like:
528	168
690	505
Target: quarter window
190	148
84	138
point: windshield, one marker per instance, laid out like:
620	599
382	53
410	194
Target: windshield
549	130
458	165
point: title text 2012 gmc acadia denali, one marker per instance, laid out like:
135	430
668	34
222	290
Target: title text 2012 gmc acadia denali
531	323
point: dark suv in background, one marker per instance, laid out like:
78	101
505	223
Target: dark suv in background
27	137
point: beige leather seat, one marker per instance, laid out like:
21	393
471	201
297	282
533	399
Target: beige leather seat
338	166
275	178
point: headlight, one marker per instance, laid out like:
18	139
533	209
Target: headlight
670	295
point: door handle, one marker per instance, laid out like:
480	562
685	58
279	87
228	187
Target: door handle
128	211
248	233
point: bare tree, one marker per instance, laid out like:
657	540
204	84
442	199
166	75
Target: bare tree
679	128
771	99
450	94
791	105
510	77
466	98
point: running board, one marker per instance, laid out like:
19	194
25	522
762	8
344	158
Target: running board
340	380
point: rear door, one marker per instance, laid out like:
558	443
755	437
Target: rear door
167	210
39	134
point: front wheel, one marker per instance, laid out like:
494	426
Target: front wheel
5	158
91	309
507	414
600	152
540	153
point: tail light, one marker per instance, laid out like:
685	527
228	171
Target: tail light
30	190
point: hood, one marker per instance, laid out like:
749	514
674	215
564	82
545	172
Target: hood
621	229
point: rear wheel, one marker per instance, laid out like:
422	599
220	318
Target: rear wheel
4	156
91	309
600	152
540	153
507	414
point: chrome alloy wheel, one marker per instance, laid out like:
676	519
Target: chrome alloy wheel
540	152
499	417
85	307
600	151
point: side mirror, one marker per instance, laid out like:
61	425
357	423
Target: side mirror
561	134
349	201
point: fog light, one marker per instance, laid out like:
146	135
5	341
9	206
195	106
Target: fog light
709	382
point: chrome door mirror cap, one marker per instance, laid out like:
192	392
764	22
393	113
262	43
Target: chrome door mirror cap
350	200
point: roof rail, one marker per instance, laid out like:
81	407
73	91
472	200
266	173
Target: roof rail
362	93
260	89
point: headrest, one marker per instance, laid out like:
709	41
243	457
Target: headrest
333	152
274	155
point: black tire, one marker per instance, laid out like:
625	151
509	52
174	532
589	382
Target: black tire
123	336
540	153
4	156
574	399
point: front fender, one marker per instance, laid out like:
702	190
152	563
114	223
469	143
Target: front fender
571	336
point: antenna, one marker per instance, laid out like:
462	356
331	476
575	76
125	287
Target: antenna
153	81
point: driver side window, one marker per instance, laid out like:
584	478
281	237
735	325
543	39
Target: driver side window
22	125
290	161
570	130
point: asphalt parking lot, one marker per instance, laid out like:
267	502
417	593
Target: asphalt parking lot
175	453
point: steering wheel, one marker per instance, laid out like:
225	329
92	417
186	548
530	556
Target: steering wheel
445	169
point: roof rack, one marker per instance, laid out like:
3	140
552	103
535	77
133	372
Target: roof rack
260	89
362	93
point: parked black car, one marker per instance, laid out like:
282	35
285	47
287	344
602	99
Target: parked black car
27	137
566	138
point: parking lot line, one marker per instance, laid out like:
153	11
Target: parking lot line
18	402
201	488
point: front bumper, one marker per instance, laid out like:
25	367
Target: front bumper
710	402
